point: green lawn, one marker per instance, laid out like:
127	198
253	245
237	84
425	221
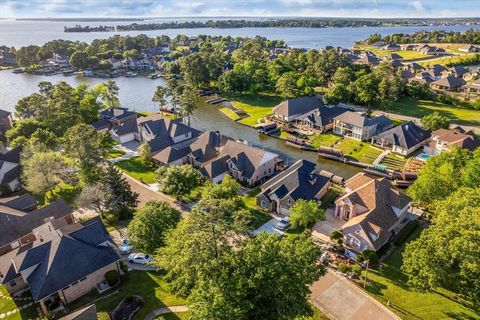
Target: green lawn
259	217
61	191
394	162
149	285
230	113
419	108
323	140
173	316
405	54
390	284
136	170
358	150
447	60
256	106
114	153
7	304
195	194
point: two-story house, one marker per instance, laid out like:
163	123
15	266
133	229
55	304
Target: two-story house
403	139
299	181
446	139
291	109
359	126
374	211
320	119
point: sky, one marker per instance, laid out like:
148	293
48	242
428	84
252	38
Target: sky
247	8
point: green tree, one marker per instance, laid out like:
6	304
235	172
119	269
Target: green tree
178	180
80	60
435	121
94	195
108	94
145	155
447	254
305	213
149	225
229	188
160	96
44	137
286	85
26	56
121	199
188	102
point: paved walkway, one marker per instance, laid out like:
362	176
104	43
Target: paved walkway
342	300
152	315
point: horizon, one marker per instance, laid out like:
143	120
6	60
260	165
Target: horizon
123	9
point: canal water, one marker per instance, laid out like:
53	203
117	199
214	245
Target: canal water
136	93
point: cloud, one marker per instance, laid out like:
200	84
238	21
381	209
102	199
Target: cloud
179	8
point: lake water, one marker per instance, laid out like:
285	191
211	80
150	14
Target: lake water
136	93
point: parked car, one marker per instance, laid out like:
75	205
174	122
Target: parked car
283	224
125	247
140	258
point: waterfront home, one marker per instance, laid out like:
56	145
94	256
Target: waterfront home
320	119
446	139
60	265
292	109
7	58
10	171
449	83
368	59
19	216
6	121
299	181
113	117
374	211
403	139
359	126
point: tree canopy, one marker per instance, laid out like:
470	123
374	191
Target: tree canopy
178	180
305	213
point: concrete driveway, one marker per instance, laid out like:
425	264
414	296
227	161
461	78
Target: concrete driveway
342	300
117	236
269	227
322	230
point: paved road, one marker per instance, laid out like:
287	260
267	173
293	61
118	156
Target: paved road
342	300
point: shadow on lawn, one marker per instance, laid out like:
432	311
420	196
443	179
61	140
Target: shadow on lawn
459	316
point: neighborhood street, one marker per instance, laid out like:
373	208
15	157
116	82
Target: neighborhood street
341	300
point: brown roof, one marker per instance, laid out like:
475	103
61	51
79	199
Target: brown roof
357	181
457	137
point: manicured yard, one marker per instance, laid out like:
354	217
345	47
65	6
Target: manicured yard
174	316
394	162
61	191
419	108
447	60
323	139
115	153
256	106
11	306
230	113
195	194
405	54
137	170
390	284
358	150
259	217
149	285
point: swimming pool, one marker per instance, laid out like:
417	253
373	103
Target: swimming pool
423	157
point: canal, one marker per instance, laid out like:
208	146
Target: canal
136	93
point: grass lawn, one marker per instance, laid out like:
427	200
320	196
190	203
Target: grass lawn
390	284
447	60
394	162
259	217
419	108
136	170
256	106
9	305
149	285
358	150
61	191
230	113
173	316
195	194
323	139
114	153
331	194
405	54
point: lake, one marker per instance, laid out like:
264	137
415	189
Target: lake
136	93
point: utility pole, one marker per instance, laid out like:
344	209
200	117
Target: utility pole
365	280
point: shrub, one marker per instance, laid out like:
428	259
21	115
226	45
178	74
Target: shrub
336	235
344	268
123	267
369	255
357	270
112	277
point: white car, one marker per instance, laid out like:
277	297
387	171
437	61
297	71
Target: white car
140	258
125	247
283	224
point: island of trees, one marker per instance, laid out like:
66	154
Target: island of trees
275	23
438	36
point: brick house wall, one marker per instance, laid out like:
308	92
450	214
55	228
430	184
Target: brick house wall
16	285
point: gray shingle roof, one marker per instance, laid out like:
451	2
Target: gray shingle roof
323	115
297	106
406	135
450	82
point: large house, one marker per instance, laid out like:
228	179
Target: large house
449	83
60	265
374	211
299	181
292	109
320	119
10	171
403	139
359	126
113	117
446	139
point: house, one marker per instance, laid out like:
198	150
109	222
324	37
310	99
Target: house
414	67
113	117
455	71
473	87
394	57
320	119
10	171
374	211
391	47
408	47
448	83
468	48
6	121
359	126
446	139
19	216
7	58
367	59
60	265
403	139
299	181
291	109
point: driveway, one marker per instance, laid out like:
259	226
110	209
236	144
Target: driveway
322	230
342	300
117	236
269	227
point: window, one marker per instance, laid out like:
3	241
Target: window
263	204
289	201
